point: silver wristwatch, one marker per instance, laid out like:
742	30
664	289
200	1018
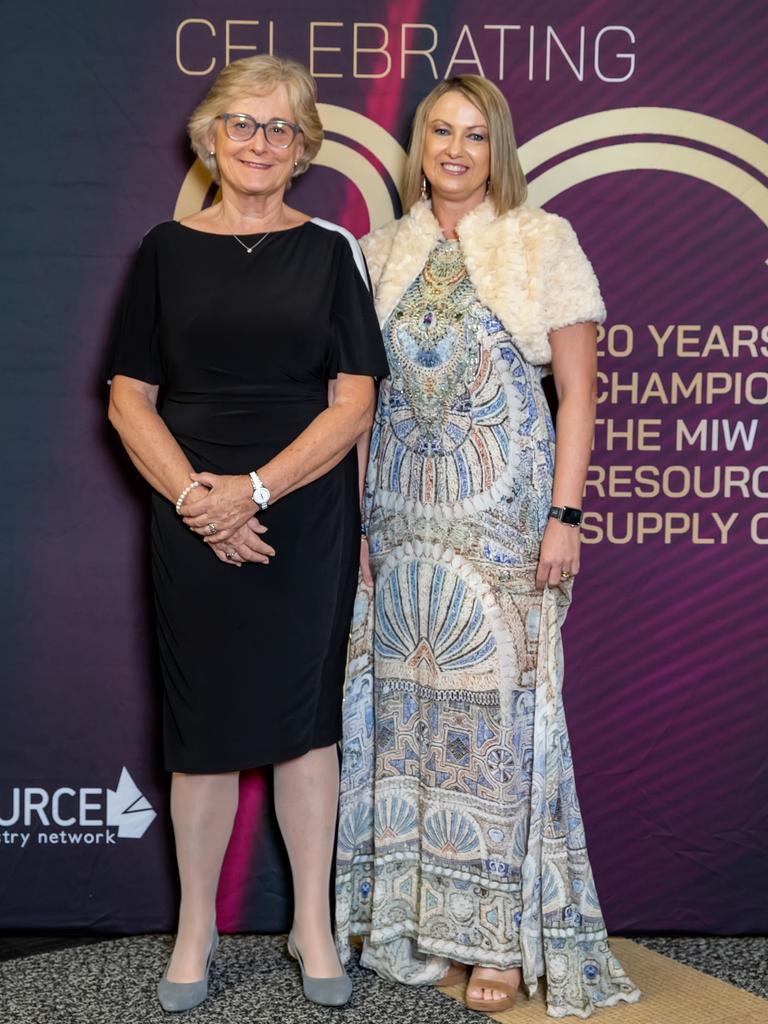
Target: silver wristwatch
261	494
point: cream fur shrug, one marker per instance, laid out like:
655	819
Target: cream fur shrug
527	267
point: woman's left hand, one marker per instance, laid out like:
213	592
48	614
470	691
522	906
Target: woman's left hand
558	555
245	545
226	506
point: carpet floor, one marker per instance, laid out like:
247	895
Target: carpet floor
113	982
741	961
671	994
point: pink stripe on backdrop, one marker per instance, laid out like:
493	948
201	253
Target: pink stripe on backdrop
383	100
239	862
382	104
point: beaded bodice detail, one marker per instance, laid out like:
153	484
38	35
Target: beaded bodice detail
427	335
460	407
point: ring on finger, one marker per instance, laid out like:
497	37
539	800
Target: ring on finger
565	575
230	554
212	528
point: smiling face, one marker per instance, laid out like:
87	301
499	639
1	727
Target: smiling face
254	167
457	152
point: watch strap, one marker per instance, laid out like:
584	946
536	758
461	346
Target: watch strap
261	494
566	514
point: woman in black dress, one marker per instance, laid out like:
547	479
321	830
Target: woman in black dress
242	377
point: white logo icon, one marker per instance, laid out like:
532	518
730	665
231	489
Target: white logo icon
128	809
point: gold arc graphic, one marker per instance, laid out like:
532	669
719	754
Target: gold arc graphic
603	126
664	156
652	156
361	173
194	189
368	133
607	124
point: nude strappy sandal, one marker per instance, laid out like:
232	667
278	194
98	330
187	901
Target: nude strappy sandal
506	1002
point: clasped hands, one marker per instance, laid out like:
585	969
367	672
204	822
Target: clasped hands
225	502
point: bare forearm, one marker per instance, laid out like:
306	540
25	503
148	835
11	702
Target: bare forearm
575	428
151	448
320	471
316	451
574	364
145	470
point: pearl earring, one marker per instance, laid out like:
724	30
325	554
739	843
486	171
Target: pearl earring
212	153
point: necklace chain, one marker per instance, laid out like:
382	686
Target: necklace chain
249	248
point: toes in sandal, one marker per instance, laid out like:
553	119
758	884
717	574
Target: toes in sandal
494	1005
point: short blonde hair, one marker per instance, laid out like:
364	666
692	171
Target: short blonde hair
508	187
258	76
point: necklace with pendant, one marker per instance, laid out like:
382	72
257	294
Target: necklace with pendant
249	248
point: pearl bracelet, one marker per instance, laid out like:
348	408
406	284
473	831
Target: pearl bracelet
184	493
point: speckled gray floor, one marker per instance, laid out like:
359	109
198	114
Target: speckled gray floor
113	981
740	961
252	982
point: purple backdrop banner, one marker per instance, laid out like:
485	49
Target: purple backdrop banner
646	126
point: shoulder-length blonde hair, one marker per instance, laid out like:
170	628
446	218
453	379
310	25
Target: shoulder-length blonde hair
508	187
258	76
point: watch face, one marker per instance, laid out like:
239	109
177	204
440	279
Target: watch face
571	516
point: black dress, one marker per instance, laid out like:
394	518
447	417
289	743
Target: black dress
243	347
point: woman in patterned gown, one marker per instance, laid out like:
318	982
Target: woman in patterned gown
460	835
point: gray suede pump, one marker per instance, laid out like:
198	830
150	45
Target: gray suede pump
325	991
176	996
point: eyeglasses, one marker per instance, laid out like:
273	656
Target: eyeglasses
242	127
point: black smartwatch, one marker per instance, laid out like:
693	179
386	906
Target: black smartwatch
567	515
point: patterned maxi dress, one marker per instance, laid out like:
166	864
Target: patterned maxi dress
460	834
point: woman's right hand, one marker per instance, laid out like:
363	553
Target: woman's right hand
245	545
365	563
222	501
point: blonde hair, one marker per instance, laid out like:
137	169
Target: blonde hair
258	76
508	187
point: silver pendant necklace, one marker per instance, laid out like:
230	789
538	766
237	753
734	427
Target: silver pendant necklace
249	248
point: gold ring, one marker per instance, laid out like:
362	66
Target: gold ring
565	575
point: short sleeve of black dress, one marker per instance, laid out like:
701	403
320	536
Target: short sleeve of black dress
358	344
135	343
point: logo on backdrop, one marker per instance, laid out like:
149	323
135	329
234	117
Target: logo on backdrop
692	130
88	816
127	809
